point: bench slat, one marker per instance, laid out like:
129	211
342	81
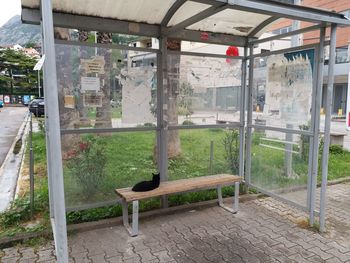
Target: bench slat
178	186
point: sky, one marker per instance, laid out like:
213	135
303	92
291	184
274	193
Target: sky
9	8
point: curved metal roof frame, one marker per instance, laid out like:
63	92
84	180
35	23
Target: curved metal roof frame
204	28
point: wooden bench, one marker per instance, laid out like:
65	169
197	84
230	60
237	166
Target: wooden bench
175	187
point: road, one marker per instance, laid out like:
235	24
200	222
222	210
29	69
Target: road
11	119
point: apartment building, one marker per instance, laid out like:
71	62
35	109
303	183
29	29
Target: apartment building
342	67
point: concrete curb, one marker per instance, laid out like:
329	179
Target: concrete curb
11	165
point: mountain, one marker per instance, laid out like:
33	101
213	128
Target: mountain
14	32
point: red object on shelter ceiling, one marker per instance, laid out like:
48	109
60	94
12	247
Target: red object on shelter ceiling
231	51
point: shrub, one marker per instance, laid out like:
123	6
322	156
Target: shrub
336	149
304	143
86	163
19	210
149	124
188	122
231	145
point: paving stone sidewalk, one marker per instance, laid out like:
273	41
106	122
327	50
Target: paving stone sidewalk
265	230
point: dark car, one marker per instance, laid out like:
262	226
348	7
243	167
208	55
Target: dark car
37	107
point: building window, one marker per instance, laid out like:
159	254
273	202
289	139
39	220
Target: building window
341	55
285	1
282	30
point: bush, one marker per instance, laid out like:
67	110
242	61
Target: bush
19	210
149	124
231	145
182	111
188	122
86	165
304	143
336	149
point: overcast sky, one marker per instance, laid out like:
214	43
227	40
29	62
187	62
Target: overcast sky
9	8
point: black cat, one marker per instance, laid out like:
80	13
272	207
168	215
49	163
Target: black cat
147	185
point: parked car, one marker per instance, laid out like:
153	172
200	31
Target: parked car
1	104
37	107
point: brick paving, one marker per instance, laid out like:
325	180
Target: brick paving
265	230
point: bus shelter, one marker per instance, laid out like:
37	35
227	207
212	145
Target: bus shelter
155	94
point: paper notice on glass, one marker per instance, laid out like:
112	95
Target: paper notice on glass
92	99
69	101
90	84
94	65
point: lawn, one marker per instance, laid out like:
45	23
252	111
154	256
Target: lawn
105	162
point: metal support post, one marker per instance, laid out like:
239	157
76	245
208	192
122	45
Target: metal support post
288	160
53	136
242	114
50	183
39	83
315	124
312	124
162	141
249	115
31	166
211	157
327	128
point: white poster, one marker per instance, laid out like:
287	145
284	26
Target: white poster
90	84
7	99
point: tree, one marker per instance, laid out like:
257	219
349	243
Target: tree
17	76
83	36
69	117
174	144
103	114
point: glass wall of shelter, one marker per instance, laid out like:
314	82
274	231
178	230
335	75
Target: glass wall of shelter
117	113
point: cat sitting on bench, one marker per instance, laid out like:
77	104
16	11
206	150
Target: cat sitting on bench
147	185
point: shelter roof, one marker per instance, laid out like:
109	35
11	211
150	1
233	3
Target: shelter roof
241	18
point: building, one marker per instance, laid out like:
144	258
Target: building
342	67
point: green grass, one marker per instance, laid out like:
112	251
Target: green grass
338	166
116	113
16	219
130	159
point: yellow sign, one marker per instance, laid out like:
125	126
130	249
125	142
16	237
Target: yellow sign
94	65
69	101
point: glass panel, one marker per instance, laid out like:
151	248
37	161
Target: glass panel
95	165
282	92
104	88
203	90
280	164
204	152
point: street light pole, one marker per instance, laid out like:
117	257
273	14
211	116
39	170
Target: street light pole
39	83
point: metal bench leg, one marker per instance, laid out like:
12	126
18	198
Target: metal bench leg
134	230
235	201
135	218
221	203
125	214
